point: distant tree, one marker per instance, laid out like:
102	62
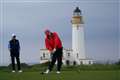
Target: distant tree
118	63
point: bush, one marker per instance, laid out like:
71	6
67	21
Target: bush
23	65
118	63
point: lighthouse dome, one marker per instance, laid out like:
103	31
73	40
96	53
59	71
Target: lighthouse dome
77	10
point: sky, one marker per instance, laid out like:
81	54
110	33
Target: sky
29	18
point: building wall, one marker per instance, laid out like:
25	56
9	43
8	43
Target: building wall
67	58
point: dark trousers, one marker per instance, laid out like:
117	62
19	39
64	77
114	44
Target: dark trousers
57	55
15	55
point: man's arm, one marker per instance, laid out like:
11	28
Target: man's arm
18	45
48	46
9	47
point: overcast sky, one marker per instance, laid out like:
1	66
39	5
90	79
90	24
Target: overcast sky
28	20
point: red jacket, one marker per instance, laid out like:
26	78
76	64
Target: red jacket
53	42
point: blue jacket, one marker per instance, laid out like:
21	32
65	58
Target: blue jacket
14	45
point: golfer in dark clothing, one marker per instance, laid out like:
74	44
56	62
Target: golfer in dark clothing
14	48
54	46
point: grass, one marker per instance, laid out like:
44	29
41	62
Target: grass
92	72
65	75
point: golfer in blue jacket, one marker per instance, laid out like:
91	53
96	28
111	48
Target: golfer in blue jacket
14	48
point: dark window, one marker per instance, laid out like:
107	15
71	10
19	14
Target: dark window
41	58
68	54
81	62
77	55
43	55
74	63
89	62
67	62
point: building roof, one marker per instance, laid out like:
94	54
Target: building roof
69	49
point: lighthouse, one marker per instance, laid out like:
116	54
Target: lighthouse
78	41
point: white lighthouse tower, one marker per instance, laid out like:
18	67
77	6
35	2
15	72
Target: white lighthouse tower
78	42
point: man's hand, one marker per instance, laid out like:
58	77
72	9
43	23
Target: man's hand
53	50
49	51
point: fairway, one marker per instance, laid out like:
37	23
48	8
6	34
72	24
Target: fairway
65	75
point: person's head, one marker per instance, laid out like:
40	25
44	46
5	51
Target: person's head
48	33
13	36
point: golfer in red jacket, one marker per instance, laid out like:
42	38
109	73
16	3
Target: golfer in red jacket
54	46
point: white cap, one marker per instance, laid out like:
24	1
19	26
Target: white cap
13	35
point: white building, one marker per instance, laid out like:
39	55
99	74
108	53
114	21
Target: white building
76	55
67	56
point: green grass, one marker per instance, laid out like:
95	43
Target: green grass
89	72
65	75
